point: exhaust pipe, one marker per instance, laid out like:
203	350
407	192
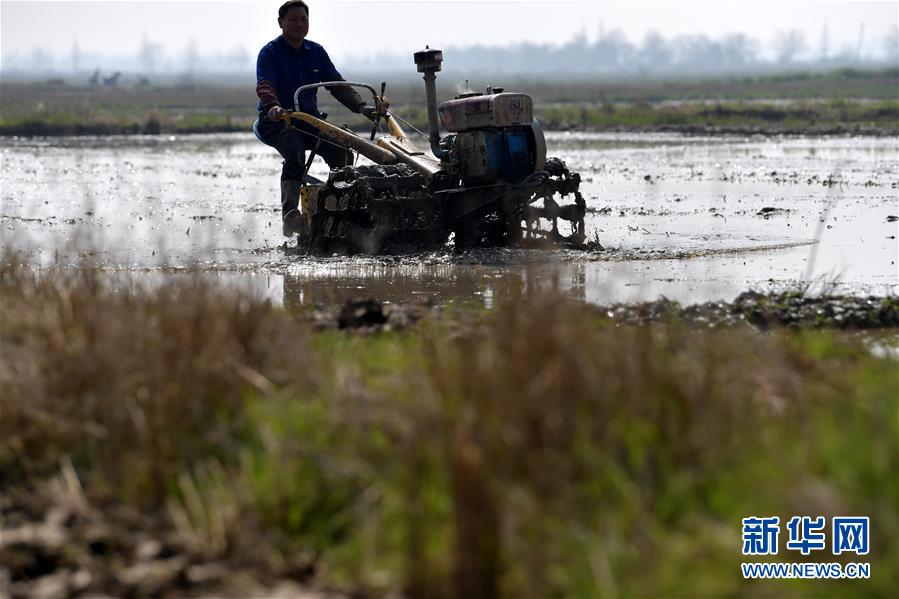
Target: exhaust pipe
428	62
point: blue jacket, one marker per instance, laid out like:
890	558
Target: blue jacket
280	70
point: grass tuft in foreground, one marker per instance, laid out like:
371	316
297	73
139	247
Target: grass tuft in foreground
533	450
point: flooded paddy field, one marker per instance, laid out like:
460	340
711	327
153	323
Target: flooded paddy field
693	219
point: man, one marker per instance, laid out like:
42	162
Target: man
284	64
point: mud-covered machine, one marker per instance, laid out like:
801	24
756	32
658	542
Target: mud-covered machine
483	183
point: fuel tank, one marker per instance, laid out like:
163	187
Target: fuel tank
486	111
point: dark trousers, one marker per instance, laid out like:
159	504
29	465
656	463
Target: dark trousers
292	143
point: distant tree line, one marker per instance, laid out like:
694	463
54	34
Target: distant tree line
610	53
695	53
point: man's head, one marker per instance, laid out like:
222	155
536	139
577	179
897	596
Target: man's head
293	19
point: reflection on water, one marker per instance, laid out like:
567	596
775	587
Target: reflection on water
303	288
675	214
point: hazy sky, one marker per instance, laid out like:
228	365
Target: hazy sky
359	29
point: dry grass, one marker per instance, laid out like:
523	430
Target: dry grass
535	450
132	384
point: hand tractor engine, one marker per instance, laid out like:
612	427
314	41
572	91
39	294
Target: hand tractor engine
481	185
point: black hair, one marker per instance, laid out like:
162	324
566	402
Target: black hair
282	12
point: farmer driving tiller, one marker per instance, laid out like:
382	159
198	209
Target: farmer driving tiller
479	185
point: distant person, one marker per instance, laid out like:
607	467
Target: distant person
284	64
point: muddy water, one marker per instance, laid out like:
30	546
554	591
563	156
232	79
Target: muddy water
690	218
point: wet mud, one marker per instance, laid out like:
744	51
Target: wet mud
691	218
792	309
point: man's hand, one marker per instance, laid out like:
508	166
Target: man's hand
275	112
369	112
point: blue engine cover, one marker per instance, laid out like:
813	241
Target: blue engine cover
507	154
492	155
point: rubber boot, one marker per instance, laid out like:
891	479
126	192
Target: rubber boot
292	219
